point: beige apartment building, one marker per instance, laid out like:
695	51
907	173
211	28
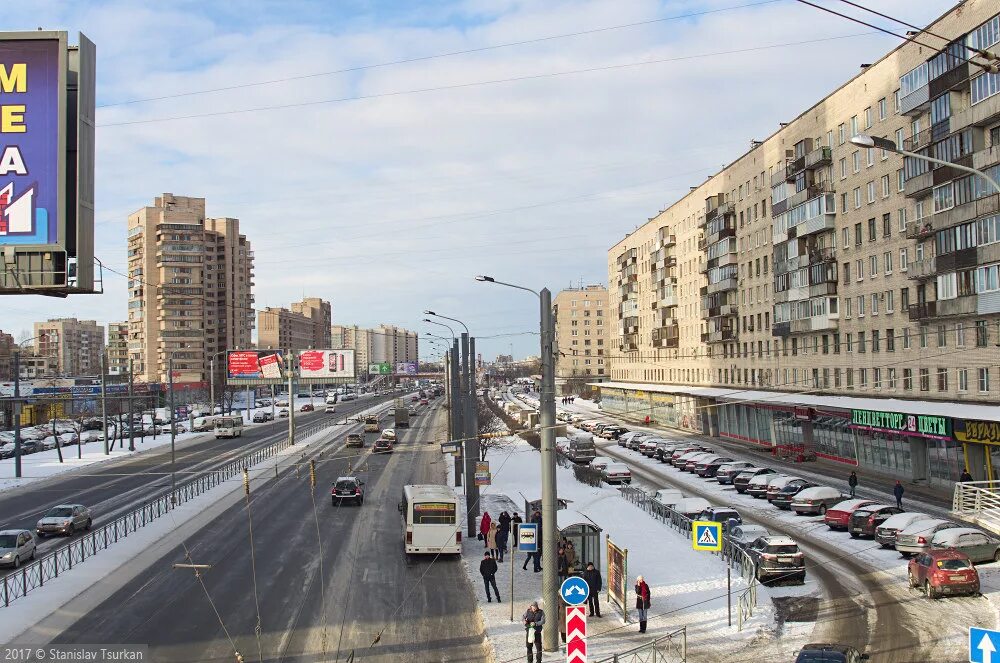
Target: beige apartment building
383	344
117	348
190	289
305	326
821	298
7	345
582	322
77	345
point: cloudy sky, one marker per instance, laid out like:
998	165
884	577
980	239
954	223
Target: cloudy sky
381	154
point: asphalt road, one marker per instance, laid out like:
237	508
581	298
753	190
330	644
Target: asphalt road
110	489
422	610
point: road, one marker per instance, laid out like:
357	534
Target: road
343	586
113	488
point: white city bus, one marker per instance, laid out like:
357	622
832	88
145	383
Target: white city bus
431	520
229	427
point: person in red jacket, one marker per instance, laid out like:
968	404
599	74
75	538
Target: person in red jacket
642	602
484	527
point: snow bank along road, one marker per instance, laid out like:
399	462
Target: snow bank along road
364	573
868	601
113	488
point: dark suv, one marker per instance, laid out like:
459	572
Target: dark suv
721	514
829	653
778	558
347	488
785	496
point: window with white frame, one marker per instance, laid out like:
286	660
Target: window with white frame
843	168
963	379
887	262
857	160
861	306
984	380
859	267
900	180
871	191
885	186
890	305
871	156
903	266
882	109
872	266
947	286
900	137
857	197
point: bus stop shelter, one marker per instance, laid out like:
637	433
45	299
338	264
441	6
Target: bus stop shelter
584	533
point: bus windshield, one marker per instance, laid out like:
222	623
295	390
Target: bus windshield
433	513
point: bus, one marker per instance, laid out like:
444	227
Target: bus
431	520
228	427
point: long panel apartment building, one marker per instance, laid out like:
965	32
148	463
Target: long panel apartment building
824	299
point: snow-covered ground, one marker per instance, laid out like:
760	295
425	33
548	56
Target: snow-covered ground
688	587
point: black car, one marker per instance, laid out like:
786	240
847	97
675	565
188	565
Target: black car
743	478
663	450
866	519
783	500
347	488
31	446
829	653
721	514
709	469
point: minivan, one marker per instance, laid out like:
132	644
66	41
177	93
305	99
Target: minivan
581	449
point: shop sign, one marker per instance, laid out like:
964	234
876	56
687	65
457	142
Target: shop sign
804	413
980	432
921	425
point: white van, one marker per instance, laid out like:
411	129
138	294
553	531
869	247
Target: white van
228	427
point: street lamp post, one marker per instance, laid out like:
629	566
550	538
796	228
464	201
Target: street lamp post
547	419
16	405
457	401
872	142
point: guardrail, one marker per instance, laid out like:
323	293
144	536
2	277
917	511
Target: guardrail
731	553
44	569
670	648
978	501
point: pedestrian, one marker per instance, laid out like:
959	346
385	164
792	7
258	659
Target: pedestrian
502	535
515	522
965	476
570	558
642	602
562	620
561	564
534	620
484	527
852	481
595	583
488	569
898	492
491	540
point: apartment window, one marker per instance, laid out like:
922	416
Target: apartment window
876	340
890	340
871	191
887	262
857	160
963	378
862	342
923	336
847	273
843	168
870	156
829	138
861	306
850	378
826	344
850	342
925	379
882	108
868	118
847	307
904	298
960	335
842	134
984	380
885	186
836	378
878	378
873	266
900	180
858	237
942	379
863	377
875	303
854	126
872	230
845	233
903	260
908	379
900	137
982	334
891	382
895	101
942	336
890	305
843	203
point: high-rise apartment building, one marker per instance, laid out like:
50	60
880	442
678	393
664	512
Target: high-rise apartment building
384	344
190	289
582	318
818	297
117	348
306	325
77	345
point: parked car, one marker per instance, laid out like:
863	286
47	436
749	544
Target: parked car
729	471
757	486
690	507
707	468
613	432
838	517
330	408
382	445
741	482
636	440
282	413
783	498
681	462
917	536
978	545
940	572
721	514
744	535
16	546
663	449
829	653
776	484
618	473
355	440
625	438
816	500
666	498
347	488
65	519
581	449
865	521
648	446
885	534
777	558
600	462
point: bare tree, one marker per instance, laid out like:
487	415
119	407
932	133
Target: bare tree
493	433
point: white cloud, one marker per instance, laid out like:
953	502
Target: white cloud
389	206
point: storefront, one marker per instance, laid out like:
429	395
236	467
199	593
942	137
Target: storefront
682	411
979	443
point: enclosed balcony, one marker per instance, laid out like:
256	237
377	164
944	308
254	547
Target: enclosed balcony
822	156
666	336
723	285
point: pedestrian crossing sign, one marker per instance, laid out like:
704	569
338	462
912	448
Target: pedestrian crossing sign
706	535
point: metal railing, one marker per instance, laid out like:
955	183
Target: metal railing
44	569
732	554
670	648
978	501
588	475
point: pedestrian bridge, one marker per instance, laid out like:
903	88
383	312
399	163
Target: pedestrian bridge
979	503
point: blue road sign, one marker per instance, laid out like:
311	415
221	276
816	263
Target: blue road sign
574	590
983	643
527	537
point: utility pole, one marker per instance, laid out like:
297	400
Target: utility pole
470	460
104	400
173	429
131	418
472	445
291	398
547	420
456	408
17	412
211	385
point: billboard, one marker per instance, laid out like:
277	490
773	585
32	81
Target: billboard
384	368
406	368
326	364
262	366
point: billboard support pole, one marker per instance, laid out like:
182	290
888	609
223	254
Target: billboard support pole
470	462
17	412
471	487
104	399
211	385
456	410
291	398
173	430
131	415
248	404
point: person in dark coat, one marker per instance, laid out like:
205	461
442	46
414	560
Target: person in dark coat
965	476
852	482
562	564
488	569
534	620
502	534
642	602
596	583
898	492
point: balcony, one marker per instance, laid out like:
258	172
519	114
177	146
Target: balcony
827	287
702	244
920	230
964	259
916	102
822	156
667	336
721	336
967	305
921	270
721	311
923	311
919	186
817	224
668	300
982	114
723	285
723	233
952	79
808	193
967	212
816	323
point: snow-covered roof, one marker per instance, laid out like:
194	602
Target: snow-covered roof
567	518
908	406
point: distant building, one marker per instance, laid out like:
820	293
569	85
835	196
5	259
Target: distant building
33	367
384	344
77	345
117	348
582	333
505	359
306	325
7	345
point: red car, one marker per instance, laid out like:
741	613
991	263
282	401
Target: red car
306	408
940	572
839	516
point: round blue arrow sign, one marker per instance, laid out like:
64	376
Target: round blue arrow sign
574	590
